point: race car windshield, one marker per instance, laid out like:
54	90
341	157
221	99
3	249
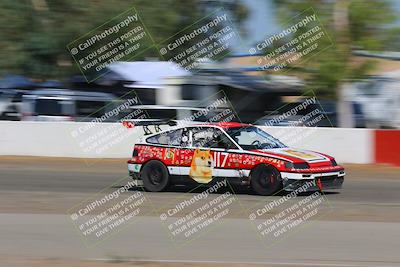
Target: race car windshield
250	138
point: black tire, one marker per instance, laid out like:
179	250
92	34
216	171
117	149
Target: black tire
155	176
265	180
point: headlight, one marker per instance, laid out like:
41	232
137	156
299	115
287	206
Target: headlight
300	166
289	165
333	161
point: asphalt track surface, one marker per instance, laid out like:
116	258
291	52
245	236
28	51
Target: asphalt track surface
360	225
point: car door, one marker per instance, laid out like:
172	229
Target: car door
195	157
226	156
209	154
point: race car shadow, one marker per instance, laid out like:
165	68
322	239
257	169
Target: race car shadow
237	190
189	188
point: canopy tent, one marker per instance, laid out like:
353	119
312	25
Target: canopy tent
147	74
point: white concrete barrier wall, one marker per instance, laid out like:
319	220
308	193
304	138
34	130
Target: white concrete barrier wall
73	139
345	144
56	139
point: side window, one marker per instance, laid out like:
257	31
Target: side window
211	137
49	107
94	109
222	140
202	137
167	114
172	138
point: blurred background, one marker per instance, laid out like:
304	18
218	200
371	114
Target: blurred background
52	157
356	79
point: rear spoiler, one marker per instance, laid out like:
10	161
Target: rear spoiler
156	123
149	122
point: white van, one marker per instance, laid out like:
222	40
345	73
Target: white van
379	99
65	105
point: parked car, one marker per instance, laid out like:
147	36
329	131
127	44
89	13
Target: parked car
378	99
10	104
66	105
320	114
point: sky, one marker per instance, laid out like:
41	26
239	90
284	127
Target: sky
262	21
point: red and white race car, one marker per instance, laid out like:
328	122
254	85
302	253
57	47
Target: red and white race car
241	153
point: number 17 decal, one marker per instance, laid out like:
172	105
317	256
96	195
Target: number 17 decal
220	159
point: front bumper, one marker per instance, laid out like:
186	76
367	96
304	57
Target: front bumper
319	181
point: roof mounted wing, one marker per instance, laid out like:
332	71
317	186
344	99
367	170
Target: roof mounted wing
149	122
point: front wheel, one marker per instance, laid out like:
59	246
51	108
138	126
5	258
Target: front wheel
265	180
155	176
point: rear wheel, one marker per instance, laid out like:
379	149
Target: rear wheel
155	176
265	180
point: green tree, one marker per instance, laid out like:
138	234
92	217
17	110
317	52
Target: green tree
352	24
34	33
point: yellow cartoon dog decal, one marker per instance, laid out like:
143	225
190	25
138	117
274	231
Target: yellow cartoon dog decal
201	168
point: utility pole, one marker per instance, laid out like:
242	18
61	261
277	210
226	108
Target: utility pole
341	26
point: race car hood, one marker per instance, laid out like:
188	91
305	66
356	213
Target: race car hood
297	155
